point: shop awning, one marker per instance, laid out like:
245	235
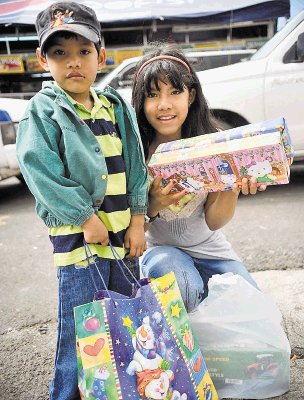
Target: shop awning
114	12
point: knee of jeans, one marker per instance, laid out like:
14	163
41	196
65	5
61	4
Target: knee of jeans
194	299
192	295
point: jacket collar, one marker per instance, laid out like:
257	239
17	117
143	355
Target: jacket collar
50	88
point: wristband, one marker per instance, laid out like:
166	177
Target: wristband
149	220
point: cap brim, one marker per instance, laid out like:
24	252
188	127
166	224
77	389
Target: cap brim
82	30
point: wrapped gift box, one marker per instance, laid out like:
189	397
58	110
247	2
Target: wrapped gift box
215	161
238	372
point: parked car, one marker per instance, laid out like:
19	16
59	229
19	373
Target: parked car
269	85
122	76
11	111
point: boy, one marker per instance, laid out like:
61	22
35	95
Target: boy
81	156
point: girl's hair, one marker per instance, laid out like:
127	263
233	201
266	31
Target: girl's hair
199	119
53	40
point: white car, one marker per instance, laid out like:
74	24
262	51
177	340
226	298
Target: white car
8	160
267	86
121	77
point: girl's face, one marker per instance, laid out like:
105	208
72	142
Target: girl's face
166	110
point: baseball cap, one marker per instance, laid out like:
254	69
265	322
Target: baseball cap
70	17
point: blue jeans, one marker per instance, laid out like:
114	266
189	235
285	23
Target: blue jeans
75	287
192	274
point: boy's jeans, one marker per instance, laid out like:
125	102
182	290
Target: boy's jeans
192	274
75	287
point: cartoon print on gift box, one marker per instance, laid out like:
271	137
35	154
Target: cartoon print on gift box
261	171
145	355
226	173
99	384
228	179
156	384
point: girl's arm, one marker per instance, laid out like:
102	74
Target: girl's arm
220	206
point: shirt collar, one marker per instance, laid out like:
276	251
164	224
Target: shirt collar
99	101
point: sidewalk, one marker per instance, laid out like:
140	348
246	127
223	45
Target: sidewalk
27	353
286	288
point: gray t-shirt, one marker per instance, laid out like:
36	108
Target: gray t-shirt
189	231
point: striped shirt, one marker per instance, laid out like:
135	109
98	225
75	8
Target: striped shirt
114	212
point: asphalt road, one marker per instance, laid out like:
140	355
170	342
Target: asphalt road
267	231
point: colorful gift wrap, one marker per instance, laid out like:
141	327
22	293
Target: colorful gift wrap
214	162
141	347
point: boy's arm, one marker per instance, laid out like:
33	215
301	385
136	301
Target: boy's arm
44	173
135	239
136	169
94	231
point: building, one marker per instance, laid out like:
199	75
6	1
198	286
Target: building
129	26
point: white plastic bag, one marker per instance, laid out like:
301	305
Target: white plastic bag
244	345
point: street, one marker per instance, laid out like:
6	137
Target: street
267	232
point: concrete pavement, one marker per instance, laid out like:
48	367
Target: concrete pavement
286	288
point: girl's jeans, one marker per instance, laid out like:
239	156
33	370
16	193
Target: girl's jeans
75	287
192	274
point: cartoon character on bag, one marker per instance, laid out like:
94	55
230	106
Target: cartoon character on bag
145	355
208	391
155	385
164	342
99	388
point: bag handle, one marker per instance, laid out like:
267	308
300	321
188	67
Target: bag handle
119	261
89	255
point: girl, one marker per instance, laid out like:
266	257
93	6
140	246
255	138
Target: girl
183	229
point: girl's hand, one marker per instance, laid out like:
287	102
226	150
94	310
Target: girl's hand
135	239
94	231
248	186
161	198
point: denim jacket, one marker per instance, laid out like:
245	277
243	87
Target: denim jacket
63	164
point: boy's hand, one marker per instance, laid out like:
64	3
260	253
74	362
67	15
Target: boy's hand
161	198
94	231
248	186
135	240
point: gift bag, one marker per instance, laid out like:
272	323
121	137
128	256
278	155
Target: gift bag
244	345
139	347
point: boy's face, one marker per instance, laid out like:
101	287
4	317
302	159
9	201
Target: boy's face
73	63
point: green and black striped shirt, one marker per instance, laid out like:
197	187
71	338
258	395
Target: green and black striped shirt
114	211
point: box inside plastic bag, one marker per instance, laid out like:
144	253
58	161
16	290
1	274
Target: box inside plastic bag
244	345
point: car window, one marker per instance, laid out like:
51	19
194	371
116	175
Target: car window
207	62
124	78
